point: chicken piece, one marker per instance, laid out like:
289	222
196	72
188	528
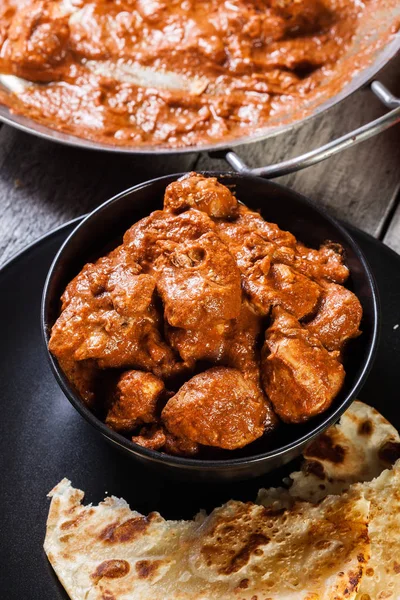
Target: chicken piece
218	408
242	345
206	343
288	288
338	317
136	401
303	16
204	193
270	232
254	242
325	263
263	253
156	437
108	315
37	40
300	377
232	343
161	232
199	283
197	278
253	253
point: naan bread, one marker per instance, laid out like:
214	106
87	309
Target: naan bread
359	448
382	574
281	549
381	578
241	551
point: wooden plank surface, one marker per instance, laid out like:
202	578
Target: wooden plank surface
43	184
392	236
358	185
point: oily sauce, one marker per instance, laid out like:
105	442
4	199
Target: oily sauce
173	73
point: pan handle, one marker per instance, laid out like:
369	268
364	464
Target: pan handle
319	154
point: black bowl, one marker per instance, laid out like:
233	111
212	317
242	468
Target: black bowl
290	211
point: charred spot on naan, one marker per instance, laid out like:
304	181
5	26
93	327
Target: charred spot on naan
73	523
366	427
111	569
315	468
390	452
147	569
235	560
354	582
115	533
325	448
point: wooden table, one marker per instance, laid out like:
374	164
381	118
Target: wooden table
43	184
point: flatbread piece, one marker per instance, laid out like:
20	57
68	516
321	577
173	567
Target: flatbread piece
241	551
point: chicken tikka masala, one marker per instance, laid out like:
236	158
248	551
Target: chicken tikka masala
207	326
171	72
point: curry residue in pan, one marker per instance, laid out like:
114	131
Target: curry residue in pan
223	68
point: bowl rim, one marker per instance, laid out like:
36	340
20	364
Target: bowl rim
204	464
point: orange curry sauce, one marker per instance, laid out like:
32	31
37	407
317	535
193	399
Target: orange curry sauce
223	68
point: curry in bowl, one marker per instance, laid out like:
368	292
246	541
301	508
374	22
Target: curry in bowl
207	326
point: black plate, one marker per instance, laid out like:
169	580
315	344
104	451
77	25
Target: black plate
44	439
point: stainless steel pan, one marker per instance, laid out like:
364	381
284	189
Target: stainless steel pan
375	45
